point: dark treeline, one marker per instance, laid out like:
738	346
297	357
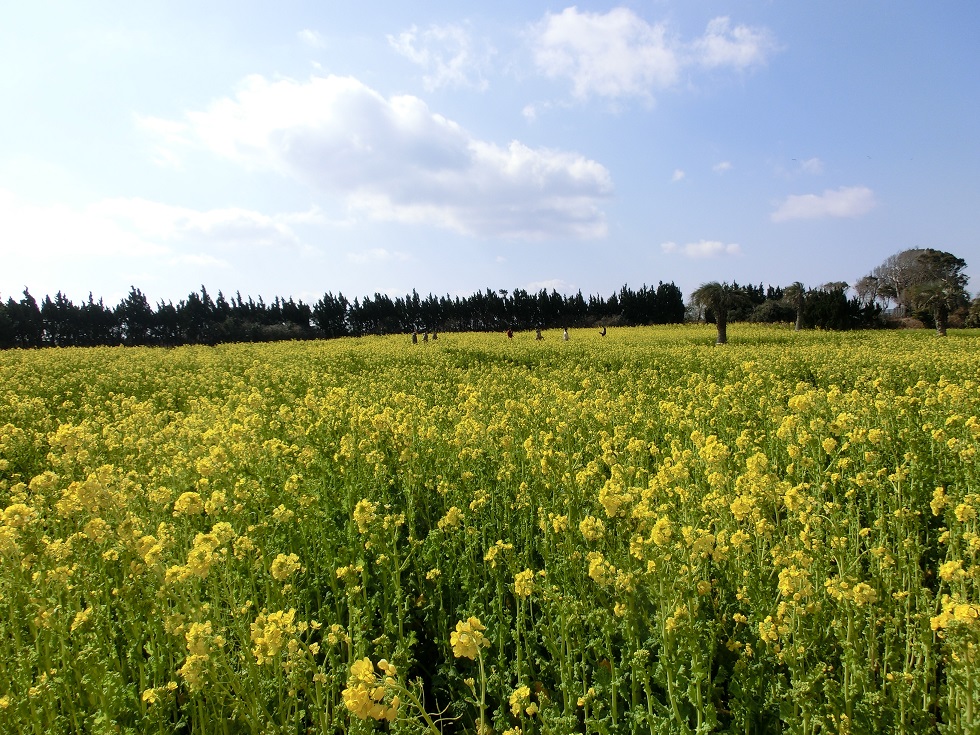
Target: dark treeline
201	319
824	307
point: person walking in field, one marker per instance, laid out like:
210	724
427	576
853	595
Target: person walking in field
538	334
602	331
510	334
564	334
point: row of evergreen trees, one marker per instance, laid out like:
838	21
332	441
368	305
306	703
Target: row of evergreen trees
824	307
201	319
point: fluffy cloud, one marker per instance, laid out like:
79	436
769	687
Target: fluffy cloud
129	229
812	166
739	47
722	167
618	54
228	228
847	201
447	53
701	249
610	55
58	231
678	175
394	159
311	38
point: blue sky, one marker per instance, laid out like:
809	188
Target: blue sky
301	147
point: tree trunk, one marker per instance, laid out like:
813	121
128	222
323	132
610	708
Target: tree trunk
721	321
941	315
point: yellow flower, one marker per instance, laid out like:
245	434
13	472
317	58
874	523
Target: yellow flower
951	570
365	513
592	528
8	541
270	633
18	515
863	594
965	512
599	569
524	583
519	699
366	691
493	551
81	618
452	519
468	638
194	670
189	504
284	566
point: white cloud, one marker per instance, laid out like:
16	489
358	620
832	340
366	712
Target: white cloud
701	249
847	201
720	168
228	228
121	232
739	47
57	231
448	55
619	54
811	166
610	55
376	255
395	159
311	38
678	175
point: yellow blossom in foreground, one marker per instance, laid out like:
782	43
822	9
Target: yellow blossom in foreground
364	514
284	566
189	504
366	692
452	519
524	583
520	698
468	638
592	528
271	632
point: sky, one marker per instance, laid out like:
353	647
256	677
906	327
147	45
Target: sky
302	147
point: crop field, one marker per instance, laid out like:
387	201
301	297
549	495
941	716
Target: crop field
642	533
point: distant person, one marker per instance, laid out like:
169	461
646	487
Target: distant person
434	335
564	333
510	334
415	338
602	331
538	334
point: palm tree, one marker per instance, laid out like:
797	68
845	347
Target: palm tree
718	298
794	295
939	298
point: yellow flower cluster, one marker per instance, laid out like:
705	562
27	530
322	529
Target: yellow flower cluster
524	583
468	638
284	566
956	612
372	695
271	633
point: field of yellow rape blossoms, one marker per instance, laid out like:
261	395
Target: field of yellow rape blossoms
637	534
